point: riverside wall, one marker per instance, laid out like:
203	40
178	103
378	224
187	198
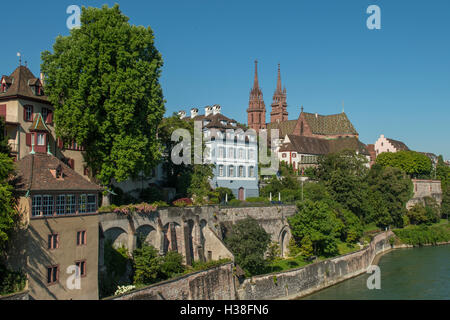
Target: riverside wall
213	284
306	280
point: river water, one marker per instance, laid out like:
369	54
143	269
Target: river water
406	274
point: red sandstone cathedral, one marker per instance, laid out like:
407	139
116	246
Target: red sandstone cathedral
308	124
306	137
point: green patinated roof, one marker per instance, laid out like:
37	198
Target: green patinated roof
38	124
334	124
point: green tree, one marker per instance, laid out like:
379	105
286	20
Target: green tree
8	212
200	186
273	252
147	265
413	163
225	193
445	205
319	222
248	241
4	145
172	264
389	191
103	82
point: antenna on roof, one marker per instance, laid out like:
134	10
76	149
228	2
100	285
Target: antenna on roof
20	58
343	106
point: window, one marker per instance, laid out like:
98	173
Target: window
36	206
241	171
82	204
28	115
231	171
284	155
91	203
41	139
53	241
241	153
44	114
294	155
251	155
71	202
52	274
60	204
231	153
81	238
47	205
221	171
251	172
81	267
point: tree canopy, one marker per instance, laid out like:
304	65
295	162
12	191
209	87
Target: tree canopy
413	163
103	80
249	241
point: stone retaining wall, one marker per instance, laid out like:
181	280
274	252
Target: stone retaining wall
212	284
313	277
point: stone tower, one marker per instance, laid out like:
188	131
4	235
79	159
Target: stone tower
256	111
279	104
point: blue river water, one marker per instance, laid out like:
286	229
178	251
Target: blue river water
406	274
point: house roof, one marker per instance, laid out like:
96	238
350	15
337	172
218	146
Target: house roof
318	146
38	124
34	173
21	81
398	144
334	124
215	121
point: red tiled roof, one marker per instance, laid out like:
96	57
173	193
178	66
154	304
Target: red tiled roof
21	81
34	174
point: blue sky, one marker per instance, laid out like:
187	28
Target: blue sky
393	81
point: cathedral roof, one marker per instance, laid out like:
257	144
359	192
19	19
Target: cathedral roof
334	124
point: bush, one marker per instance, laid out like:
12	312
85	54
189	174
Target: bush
235	203
160	204
423	234
172	264
223	192
257	199
183	202
150	194
10	281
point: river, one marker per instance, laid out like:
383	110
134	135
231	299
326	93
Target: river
406	274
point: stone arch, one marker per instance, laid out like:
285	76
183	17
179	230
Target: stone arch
283	241
148	234
117	236
190	228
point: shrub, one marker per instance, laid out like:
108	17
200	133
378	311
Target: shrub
172	264
150	194
224	191
11	281
160	204
235	202
257	199
183	202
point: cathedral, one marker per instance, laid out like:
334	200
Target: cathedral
301	140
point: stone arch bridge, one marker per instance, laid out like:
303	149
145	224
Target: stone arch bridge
195	232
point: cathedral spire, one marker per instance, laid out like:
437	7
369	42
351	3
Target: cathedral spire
279	80
255	83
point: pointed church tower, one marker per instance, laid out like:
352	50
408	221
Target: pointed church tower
279	105
256	111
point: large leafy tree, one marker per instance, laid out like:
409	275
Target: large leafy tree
103	81
8	213
249	241
189	179
413	163
317	224
389	191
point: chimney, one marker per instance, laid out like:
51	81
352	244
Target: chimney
208	111
182	114
216	109
42	78
194	113
317	115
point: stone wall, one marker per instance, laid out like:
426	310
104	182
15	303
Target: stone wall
425	188
213	284
24	295
313	277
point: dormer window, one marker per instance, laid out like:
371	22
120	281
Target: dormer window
3	88
47	115
223	122
28	113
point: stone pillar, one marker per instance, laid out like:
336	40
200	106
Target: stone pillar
187	246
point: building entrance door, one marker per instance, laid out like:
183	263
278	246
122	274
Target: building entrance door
241	194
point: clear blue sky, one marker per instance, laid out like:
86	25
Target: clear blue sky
394	81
